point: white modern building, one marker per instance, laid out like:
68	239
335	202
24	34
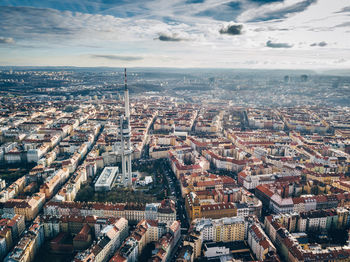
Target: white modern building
106	179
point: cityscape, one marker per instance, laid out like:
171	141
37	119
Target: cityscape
174	131
210	177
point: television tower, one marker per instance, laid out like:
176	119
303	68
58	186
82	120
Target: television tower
125	138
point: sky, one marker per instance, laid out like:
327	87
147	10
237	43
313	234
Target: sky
285	34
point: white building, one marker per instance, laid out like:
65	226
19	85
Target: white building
215	250
130	250
259	243
146	181
106	179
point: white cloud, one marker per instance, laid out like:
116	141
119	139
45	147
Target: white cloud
6	40
75	35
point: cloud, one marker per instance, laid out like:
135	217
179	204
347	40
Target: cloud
344	10
6	40
195	1
270	28
25	23
232	29
187	31
345	24
321	44
227	11
117	8
339	61
118	57
55	28
266	1
276	11
169	38
278	45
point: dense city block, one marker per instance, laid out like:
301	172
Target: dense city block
194	166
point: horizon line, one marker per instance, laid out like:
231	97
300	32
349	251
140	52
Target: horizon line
180	68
